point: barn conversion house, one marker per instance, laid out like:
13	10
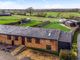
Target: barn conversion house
48	39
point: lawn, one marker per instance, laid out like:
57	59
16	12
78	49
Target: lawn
56	26
17	17
31	23
6	21
39	18
63	14
52	13
34	21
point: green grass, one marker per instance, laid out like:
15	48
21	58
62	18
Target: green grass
35	21
56	26
52	13
32	23
63	14
15	17
39	18
6	21
69	14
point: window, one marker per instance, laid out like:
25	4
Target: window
29	39
16	38
48	47
37	40
9	37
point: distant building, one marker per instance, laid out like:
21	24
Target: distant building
70	23
5	14
48	39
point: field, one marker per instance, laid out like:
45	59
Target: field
8	19
37	20
34	21
63	14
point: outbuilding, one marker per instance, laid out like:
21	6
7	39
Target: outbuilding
40	38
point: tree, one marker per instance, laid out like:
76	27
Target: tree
41	14
64	55
30	10
3	11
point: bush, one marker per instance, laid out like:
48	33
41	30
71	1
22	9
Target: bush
64	55
73	55
41	14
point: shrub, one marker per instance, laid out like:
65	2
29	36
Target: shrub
64	55
73	55
41	14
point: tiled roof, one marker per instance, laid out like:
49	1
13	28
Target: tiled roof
36	32
65	36
29	31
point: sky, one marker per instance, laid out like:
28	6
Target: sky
39	4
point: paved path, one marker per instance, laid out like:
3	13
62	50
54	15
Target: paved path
6	56
78	42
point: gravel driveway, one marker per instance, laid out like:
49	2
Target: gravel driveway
6	56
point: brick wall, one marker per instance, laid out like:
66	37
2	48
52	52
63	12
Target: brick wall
43	42
18	42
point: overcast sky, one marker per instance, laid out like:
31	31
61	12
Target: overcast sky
39	4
